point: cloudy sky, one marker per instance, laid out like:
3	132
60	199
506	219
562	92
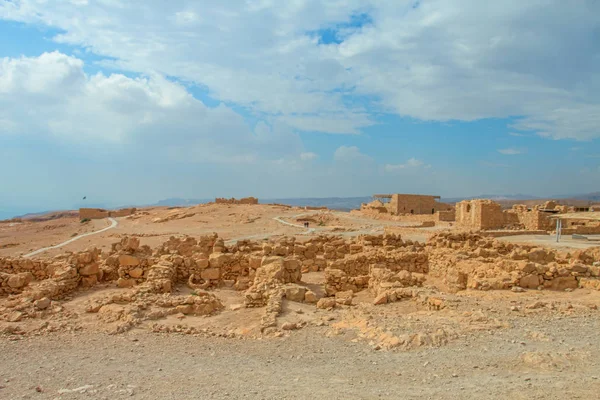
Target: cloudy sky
134	101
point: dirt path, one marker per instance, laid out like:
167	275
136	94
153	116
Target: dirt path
113	224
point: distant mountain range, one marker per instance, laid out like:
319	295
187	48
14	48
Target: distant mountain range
333	203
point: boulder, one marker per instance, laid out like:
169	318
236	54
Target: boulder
126	260
42	303
344	298
326	303
18	281
125	283
295	293
531	281
289	326
210	274
90	269
136	273
381	299
310	297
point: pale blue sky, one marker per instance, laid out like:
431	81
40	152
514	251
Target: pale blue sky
132	102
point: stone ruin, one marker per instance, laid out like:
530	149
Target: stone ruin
244	200
267	272
99	213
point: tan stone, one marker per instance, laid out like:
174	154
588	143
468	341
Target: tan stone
289	326
90	269
344	298
211	274
126	260
295	293
125	283
15	316
531	281
42	303
326	303
310	297
136	273
381	299
17	281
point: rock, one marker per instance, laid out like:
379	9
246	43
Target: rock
210	274
90	269
310	297
531	281
289	326
136	273
42	303
218	260
125	283
185	309
517	289
17	281
295	293
128	261
381	299
15	316
536	305
344	298
326	303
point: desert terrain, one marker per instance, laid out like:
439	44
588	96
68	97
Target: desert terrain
244	301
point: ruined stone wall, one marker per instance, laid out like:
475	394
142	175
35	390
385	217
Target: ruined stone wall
447	216
99	213
535	220
412	204
479	214
484	263
245	200
93	213
124	212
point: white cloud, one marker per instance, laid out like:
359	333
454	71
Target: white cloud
511	151
410	163
308	156
443	60
51	96
516	134
350	154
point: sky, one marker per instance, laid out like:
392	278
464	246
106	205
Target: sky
130	102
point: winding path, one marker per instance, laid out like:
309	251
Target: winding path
113	224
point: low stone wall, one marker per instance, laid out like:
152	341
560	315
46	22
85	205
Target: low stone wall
93	213
245	200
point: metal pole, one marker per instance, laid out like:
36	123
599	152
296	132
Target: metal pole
557	228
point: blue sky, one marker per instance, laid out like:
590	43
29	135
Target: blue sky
132	102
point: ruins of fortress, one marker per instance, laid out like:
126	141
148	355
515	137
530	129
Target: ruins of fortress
483	214
398	204
244	200
99	213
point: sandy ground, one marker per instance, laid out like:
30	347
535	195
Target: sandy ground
559	361
566	242
155	225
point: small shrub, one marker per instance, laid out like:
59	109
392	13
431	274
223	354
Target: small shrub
83	221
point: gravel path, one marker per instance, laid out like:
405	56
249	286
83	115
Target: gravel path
113	224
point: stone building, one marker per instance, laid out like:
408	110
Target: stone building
483	214
398	204
479	214
99	213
